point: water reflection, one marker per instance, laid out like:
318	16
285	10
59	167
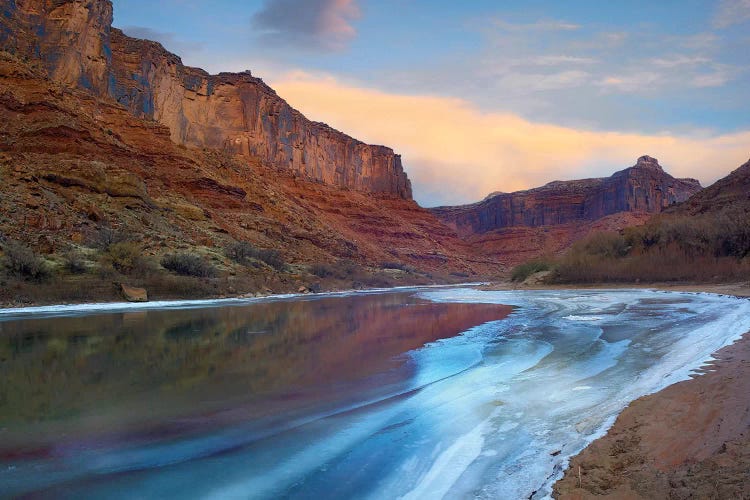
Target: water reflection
158	373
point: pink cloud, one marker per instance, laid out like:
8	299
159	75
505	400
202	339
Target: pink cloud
335	20
307	24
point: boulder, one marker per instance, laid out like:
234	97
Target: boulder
133	294
538	278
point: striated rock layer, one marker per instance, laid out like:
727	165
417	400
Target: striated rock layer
644	188
76	45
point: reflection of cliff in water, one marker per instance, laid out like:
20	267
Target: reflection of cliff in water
60	368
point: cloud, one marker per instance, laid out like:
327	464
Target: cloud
169	40
731	12
652	63
590	75
308	24
679	60
534	82
673	72
560	60
714	78
543	25
455	153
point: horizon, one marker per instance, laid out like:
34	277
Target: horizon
551	92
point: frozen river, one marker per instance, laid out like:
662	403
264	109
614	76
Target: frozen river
425	393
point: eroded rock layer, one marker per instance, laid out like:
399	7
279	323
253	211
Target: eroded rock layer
74	42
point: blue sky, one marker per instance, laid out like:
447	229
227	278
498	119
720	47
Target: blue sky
666	70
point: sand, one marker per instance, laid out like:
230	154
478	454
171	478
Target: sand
690	440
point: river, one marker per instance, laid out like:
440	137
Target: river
417	393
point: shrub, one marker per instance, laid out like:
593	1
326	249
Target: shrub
126	257
348	269
523	271
23	262
272	258
74	263
397	265
721	234
243	252
686	247
105	237
240	251
343	269
186	264
322	270
604	244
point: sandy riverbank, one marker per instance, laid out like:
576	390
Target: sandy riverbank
690	440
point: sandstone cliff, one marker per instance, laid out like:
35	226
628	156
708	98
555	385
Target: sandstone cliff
642	188
76	45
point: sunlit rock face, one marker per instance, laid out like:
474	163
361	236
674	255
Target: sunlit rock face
235	112
69	38
644	188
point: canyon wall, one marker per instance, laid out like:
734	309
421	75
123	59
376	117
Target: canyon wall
644	188
70	39
235	112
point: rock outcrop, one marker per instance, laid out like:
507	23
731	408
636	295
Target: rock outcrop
642	188
237	113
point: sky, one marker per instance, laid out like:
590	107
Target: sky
488	96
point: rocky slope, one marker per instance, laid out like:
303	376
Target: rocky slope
730	192
644	187
237	113
511	228
74	165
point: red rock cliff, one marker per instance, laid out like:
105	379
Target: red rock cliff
74	41
644	187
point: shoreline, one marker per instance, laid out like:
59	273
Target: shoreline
689	440
96	307
740	289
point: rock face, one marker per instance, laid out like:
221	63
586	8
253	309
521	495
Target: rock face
237	113
644	188
70	38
